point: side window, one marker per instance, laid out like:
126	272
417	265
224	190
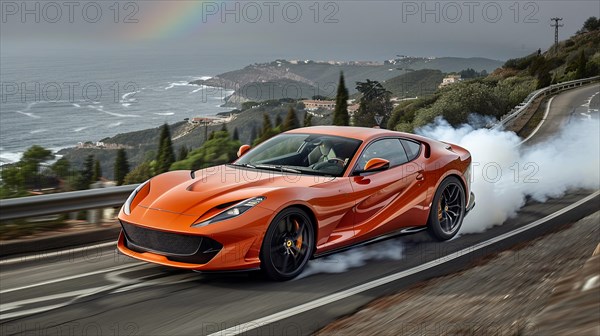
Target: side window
389	149
412	149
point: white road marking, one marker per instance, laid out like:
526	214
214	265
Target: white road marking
112	269
590	283
17	304
541	122
251	325
113	276
55	254
590	101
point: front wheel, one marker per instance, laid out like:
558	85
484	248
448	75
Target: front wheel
288	244
447	209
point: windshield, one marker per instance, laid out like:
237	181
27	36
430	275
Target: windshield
316	154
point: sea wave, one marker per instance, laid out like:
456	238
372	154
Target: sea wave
100	108
29	114
164	113
9	157
180	83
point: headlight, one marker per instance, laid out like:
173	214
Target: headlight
232	212
127	205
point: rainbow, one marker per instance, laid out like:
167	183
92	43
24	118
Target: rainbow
166	19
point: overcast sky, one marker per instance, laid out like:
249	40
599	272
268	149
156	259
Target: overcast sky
344	30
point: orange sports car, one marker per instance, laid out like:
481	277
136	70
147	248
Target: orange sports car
299	195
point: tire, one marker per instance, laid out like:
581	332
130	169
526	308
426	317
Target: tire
288	244
447	209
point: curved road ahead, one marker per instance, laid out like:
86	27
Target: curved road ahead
96	291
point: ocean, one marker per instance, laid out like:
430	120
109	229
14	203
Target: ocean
61	99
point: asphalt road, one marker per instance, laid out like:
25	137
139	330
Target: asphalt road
96	291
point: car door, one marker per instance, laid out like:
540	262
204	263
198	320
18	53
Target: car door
388	200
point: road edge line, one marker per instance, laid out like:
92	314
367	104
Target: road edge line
257	323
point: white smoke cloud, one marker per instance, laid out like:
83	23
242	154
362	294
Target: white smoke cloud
392	249
506	172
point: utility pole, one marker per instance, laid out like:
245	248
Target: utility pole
556	25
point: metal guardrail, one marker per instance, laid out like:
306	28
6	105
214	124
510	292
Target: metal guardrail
115	196
64	202
521	108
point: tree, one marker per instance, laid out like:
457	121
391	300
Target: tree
97	171
236	134
224	127
25	174
166	156
253	134
278	121
218	150
375	100
307	120
248	105
183	153
13	182
320	97
86	174
61	168
581	63
291	120
37	154
139	174
591	24
266	126
340	115
121	166
267	130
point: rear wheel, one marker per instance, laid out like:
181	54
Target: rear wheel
447	209
288	244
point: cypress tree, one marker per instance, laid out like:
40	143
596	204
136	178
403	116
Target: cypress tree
121	166
580	73
87	174
236	135
253	134
307	119
266	126
340	115
224	128
278	121
97	171
291	120
183	153
166	155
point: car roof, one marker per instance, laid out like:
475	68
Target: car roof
353	132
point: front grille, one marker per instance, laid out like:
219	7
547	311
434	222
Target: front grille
162	242
174	246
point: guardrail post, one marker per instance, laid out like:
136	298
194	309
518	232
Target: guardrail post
94	216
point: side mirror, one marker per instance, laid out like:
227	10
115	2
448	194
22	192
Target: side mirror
376	164
243	149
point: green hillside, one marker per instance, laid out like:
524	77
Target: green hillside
506	87
414	83
322	78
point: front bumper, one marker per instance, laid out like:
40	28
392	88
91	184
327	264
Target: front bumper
471	204
232	244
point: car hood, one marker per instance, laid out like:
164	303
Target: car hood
177	192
